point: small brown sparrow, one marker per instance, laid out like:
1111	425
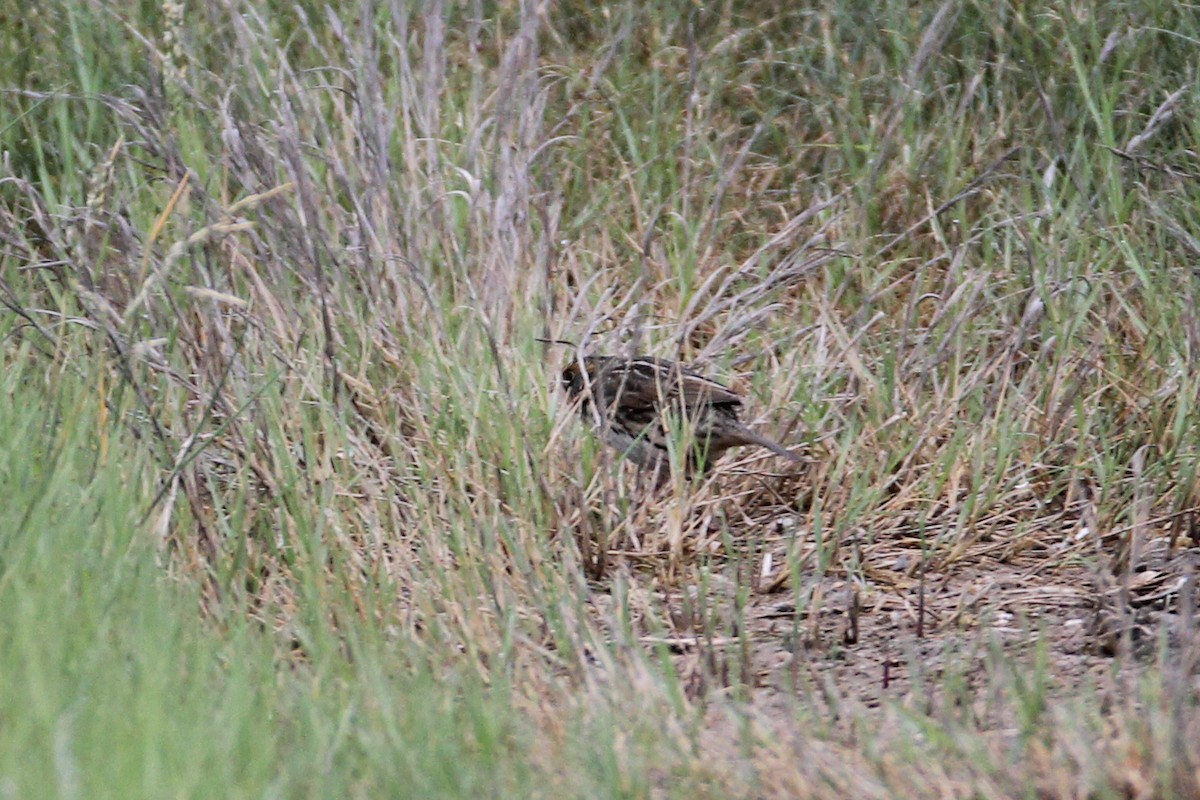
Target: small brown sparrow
631	399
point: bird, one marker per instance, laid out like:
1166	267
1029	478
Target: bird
636	402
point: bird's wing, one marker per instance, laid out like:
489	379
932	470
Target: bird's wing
651	378
632	384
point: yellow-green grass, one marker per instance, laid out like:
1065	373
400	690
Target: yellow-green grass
293	507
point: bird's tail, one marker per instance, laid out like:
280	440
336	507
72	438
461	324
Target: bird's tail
772	445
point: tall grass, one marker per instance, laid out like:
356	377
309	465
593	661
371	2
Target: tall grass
296	508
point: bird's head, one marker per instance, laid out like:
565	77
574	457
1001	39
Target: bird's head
575	378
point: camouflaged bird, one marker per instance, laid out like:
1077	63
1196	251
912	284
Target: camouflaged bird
632	402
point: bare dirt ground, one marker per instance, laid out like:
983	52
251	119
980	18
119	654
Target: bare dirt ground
986	639
868	637
900	617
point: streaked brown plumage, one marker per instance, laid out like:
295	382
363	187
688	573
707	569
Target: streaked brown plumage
630	400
